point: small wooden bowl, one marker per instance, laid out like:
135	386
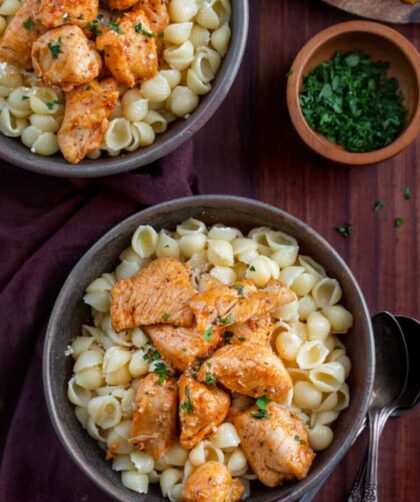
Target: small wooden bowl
378	41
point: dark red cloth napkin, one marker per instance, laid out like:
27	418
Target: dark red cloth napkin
46	224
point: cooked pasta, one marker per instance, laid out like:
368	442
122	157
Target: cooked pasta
190	50
109	366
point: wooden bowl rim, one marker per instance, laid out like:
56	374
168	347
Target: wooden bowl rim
319	143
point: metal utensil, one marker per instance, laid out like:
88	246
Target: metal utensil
390	381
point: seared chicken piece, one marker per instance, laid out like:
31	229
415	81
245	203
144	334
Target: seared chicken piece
182	346
201	408
234	304
157	13
21	32
212	482
248	369
120	4
54	13
129	54
86	118
160	293
256	331
277	446
65	57
154	422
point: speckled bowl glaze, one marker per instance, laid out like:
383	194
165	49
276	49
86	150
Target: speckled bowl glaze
12	150
70	313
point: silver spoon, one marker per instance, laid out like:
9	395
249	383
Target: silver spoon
390	382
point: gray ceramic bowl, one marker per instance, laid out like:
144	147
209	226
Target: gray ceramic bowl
12	150
70	313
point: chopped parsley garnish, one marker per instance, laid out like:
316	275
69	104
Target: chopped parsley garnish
187	405
345	230
28	24
289	73
207	334
209	378
166	316
398	222
378	205
55	48
252	268
66	16
51	104
100	16
297	438
24	98
80	17
94	28
242	339
116	27
139	29
407	193
162	371
226	320
261	403
351	101
239	288
228	337
151	355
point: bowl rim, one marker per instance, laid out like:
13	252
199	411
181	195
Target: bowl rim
103	166
319	143
210	201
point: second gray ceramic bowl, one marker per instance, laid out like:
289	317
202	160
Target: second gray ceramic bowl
12	150
70	313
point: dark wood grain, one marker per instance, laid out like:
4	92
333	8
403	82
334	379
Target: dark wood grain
250	148
393	11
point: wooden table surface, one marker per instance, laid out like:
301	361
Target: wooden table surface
249	148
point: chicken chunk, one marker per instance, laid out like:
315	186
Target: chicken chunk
65	57
212	482
20	34
276	447
182	346
54	13
86	118
227	305
120	4
160	293
130	55
256	331
157	13
154	422
248	369
201	409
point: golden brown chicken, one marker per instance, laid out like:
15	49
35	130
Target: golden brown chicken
201	408
256	331
276	446
129	52
157	13
212	482
154	422
234	304
182	346
54	13
248	369
65	57
160	293
86	118
120	4
21	32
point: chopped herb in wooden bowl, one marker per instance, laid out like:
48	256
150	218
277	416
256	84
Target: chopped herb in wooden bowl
352	102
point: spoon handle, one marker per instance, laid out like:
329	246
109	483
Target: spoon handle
356	493
376	424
